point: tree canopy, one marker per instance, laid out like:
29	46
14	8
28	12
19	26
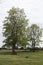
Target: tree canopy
15	27
34	34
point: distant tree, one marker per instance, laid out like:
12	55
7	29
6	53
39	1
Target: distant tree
15	26
34	34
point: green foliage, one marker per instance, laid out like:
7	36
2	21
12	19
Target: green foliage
34	34
15	26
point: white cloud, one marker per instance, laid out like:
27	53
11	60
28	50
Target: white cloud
32	8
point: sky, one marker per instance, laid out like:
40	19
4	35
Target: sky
33	10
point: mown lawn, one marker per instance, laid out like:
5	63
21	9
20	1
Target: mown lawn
22	58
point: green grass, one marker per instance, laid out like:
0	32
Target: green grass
22	58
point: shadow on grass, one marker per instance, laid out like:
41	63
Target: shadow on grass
9	52
5	52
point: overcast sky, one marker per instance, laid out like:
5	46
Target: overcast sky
32	8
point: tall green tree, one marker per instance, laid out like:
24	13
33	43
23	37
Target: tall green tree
15	26
34	35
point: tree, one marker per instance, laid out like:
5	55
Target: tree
15	26
34	34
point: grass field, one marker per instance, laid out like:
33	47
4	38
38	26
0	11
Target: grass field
22	58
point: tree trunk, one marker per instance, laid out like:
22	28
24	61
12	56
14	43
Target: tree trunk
13	49
33	46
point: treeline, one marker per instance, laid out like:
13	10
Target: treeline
16	30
